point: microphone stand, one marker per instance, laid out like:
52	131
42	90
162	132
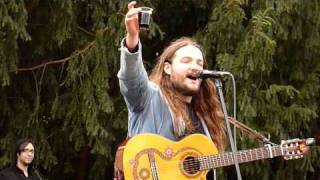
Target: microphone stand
218	84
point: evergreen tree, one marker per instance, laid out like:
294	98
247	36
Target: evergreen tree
59	60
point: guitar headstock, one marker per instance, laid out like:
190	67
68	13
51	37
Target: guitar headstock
295	148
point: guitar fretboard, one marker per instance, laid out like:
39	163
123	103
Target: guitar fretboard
226	159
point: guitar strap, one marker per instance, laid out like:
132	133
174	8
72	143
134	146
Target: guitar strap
251	132
118	164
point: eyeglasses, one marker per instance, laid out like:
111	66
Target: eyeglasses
28	150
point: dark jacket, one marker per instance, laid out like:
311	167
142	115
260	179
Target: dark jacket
14	173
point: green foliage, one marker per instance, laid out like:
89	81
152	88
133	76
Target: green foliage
70	104
13	19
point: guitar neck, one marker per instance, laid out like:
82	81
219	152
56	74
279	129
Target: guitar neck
226	159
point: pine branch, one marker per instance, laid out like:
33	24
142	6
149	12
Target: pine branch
58	61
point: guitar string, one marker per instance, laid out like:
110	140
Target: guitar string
196	163
191	166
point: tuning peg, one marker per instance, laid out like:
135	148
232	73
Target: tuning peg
298	156
287	157
310	141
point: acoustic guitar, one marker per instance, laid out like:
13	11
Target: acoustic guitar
150	156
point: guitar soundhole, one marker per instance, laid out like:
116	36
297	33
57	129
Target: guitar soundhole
191	165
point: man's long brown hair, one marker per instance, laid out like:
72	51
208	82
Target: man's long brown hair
205	103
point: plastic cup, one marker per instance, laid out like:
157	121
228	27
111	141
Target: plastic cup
144	17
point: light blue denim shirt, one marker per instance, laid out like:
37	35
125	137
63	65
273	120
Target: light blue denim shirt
148	111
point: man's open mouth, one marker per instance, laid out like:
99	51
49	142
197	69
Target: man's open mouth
193	77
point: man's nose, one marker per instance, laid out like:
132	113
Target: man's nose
196	67
196	71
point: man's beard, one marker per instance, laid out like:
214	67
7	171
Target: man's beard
184	89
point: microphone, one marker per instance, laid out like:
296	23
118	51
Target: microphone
212	74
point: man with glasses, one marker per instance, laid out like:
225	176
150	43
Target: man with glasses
21	167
